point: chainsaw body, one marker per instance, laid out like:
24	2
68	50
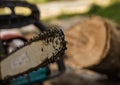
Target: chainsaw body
18	21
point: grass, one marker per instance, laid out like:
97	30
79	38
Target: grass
112	12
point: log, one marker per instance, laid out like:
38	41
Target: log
94	44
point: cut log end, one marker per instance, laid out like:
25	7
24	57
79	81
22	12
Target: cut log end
87	42
94	43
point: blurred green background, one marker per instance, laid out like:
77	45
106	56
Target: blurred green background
107	8
111	11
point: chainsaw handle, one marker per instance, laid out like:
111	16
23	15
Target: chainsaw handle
14	20
13	4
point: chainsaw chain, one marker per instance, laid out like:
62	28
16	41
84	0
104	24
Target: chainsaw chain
49	37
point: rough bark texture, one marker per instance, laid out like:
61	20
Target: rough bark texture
110	65
108	60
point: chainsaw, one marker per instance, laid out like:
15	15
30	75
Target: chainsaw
41	50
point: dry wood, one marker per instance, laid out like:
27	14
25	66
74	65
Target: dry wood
94	43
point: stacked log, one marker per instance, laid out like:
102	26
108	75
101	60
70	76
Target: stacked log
94	43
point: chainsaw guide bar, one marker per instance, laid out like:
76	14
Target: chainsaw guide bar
38	52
